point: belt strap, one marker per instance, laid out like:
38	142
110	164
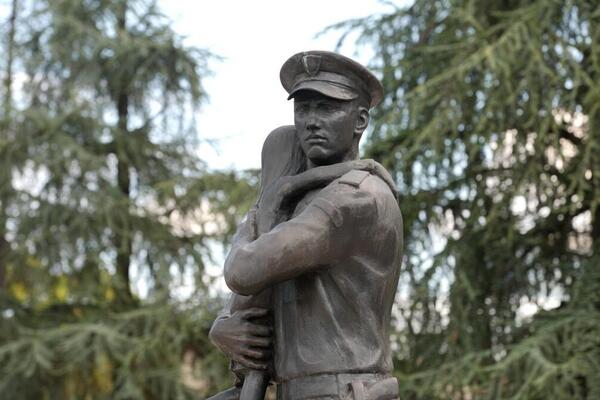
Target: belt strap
358	389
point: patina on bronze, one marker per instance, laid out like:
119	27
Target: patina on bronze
314	267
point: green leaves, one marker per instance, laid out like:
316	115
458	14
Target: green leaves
127	355
488	124
106	207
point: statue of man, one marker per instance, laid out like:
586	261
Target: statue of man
331	262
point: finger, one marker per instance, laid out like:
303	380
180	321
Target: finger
256	354
259	330
286	188
254	312
364	165
259	341
252	364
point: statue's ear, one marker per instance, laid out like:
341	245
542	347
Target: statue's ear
362	121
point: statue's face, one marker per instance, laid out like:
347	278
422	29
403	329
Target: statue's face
326	127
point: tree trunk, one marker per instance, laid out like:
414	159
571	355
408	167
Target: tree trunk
123	234
10	48
5	173
3	259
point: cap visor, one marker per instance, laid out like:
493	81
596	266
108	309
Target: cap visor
325	88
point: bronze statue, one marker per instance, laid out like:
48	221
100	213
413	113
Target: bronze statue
314	267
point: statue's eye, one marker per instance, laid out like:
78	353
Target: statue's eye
301	108
326	106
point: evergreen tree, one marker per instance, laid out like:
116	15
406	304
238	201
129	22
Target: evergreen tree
7	136
490	125
101	186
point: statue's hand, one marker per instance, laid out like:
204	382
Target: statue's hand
242	339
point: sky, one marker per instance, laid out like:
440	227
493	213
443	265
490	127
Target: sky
254	38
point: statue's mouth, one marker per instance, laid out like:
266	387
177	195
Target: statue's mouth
315	139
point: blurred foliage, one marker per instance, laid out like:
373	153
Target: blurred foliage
490	123
155	351
102	191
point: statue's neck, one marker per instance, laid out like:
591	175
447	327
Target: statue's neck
351	155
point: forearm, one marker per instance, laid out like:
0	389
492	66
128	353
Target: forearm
331	227
291	249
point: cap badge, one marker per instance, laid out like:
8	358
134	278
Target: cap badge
311	63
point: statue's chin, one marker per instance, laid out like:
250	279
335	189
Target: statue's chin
318	156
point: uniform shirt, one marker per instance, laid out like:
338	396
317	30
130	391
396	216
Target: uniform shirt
334	267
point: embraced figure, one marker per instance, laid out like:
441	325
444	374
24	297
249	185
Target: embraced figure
315	265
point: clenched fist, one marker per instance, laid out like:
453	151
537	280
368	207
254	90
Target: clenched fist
244	338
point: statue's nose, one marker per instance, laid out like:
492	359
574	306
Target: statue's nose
312	123
312	126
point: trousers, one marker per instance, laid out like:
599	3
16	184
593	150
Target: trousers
359	386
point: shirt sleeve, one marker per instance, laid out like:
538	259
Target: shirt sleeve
331	227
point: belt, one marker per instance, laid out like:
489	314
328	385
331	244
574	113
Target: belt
336	386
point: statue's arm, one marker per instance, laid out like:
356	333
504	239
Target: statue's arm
294	186
331	227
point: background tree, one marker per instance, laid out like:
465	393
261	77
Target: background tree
490	123
108	192
7	135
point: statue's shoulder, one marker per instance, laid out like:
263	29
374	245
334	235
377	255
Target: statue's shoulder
368	196
360	184
354	178
371	177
